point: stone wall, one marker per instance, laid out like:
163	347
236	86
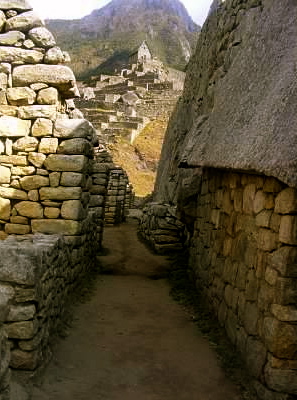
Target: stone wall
37	274
243	253
4	361
161	228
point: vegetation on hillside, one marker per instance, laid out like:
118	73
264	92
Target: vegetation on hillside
140	159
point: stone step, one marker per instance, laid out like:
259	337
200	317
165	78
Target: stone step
124	124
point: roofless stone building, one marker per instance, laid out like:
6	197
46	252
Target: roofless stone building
229	168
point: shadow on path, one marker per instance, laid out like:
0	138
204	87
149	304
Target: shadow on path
130	340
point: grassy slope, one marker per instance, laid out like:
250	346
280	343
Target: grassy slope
140	159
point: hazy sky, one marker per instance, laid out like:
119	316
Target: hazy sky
198	9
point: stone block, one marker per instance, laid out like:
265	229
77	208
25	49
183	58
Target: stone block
9	193
288	230
29	209
42	37
37	159
66	163
22	171
34	182
19	220
251	318
272	185
17	229
73	128
267	240
21	330
280	338
5	209
284	313
73	210
10	54
286	201
286	290
76	146
72	179
24	360
249	194
256	354
33	195
37	111
58	76
54	178
14	127
281	380
284	261
20	96
23	22
60	193
21	313
42	127
263	218
25	144
5	174
259	201
52	212
48	145
48	96
56	226
11	38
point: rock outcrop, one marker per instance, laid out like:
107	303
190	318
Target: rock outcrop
229	165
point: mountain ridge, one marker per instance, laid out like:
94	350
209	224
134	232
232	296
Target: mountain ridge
107	35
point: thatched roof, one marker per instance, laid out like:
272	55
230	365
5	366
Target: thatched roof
252	125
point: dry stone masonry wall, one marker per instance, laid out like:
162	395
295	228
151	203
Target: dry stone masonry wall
244	252
229	165
51	217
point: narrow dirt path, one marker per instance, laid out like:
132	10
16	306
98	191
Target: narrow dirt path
131	341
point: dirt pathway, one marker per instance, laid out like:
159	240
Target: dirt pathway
131	341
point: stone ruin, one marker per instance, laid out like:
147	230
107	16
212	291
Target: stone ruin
56	186
228	174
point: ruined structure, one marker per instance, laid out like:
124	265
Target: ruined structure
229	166
141	55
53	189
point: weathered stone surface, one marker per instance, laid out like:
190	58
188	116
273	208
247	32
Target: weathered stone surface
33	195
284	313
38	111
66	163
54	56
288	230
58	76
73	210
22	171
42	127
48	96
5	174
42	37
281	380
17	229
34	182
19	220
9	193
37	159
76	146
14	127
29	209
14	160
72	179
284	261
11	38
54	178
9	111
48	145
58	226
60	193
20	96
5	209
286	201
24	360
73	128
19	5
27	144
281	338
21	313
23	22
17	55
52	212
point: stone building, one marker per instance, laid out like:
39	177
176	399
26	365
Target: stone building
141	55
228	167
